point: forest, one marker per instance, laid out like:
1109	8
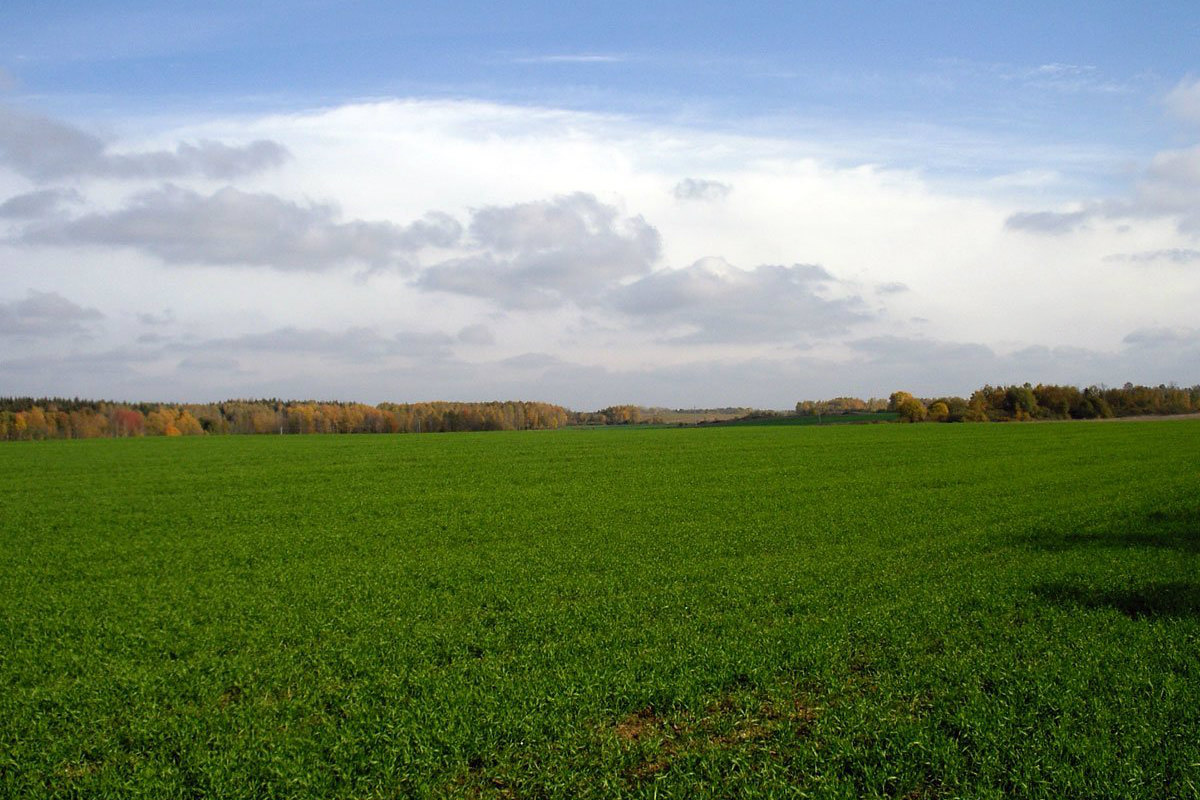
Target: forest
59	418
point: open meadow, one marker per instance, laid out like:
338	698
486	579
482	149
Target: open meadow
908	611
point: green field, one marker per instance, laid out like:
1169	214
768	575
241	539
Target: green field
922	611
853	418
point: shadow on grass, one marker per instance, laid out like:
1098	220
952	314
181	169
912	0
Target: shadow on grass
1169	599
1175	529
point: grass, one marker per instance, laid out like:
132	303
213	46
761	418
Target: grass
822	419
847	611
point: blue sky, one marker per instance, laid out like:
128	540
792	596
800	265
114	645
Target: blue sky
973	64
1023	172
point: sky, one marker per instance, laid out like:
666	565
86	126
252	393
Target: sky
667	204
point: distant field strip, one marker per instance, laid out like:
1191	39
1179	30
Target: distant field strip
926	611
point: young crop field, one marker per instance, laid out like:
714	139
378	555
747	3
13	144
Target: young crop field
907	611
853	418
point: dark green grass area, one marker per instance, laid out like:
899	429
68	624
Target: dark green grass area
852	611
812	419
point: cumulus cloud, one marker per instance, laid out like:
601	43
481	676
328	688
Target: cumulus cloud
236	228
544	254
38	203
716	302
45	149
44	314
701	189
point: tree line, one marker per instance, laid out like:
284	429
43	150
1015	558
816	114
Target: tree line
1047	401
840	405
73	418
62	418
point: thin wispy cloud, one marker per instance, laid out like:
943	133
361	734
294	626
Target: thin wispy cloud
1184	100
1178	256
573	58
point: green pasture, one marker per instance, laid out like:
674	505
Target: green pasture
818	419
907	611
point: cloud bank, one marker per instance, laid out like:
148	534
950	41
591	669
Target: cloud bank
712	301
422	250
235	228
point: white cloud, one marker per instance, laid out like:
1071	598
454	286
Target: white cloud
1169	188
1184	100
577	58
1062	77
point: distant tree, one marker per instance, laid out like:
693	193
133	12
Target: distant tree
1020	402
127	422
157	422
908	407
896	399
912	410
188	425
